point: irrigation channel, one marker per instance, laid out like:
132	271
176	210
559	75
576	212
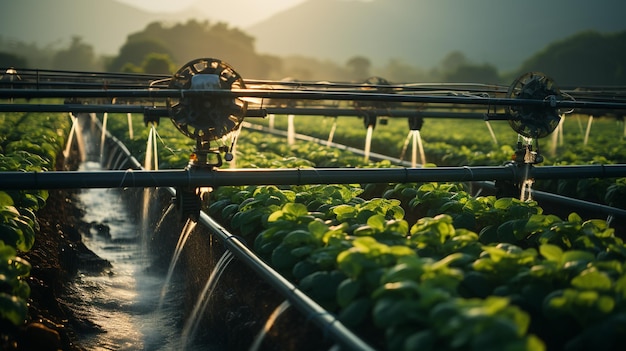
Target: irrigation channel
175	285
123	300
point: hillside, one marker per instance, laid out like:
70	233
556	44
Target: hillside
422	32
418	32
103	24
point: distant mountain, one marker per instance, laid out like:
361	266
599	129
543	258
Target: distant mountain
419	32
422	32
104	24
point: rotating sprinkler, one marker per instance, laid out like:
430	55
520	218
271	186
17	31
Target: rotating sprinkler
213	122
531	122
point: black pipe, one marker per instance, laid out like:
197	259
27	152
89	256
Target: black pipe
222	177
82	108
303	95
582	205
262	112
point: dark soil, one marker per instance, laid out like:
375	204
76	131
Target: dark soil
56	257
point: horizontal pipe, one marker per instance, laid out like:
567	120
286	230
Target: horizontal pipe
29	76
567	201
82	108
195	178
262	112
303	95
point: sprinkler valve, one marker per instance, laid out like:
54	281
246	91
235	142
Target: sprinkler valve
416	122
524	154
188	203
150	116
369	120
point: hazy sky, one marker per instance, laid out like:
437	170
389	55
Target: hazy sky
239	12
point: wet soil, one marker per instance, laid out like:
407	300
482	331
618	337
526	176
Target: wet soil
56	257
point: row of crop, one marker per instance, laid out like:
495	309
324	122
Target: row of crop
478	273
28	142
456	142
253	149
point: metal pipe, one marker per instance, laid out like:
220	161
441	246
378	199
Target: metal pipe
200	178
302	95
262	112
568	201
80	108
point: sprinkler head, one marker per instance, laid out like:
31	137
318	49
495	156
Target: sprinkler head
416	123
534	121
369	120
207	118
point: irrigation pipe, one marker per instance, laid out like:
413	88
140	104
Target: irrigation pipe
260	112
569	201
302	95
294	176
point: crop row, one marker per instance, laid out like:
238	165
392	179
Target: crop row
448	142
28	142
474	273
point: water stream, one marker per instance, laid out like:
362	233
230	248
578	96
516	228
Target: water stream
180	245
103	135
415	138
192	322
331	134
75	133
405	146
420	145
291	130
588	130
122	300
271	119
129	118
280	309
368	143
491	132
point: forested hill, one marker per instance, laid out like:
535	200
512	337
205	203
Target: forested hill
104	24
422	32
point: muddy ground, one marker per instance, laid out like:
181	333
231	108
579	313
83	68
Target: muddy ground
56	257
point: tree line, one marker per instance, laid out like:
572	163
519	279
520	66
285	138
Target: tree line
588	58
